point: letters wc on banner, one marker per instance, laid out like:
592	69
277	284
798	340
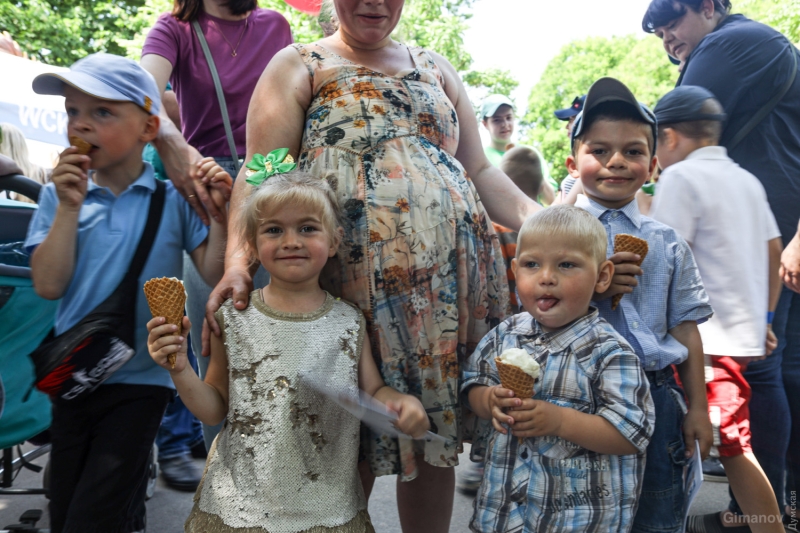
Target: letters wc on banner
39	117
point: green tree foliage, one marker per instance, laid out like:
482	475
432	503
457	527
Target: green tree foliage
783	15
637	60
60	32
493	80
640	63
437	25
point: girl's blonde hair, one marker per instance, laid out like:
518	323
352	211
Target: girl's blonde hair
574	225
13	145
296	189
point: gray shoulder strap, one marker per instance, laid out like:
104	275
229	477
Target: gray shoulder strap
220	95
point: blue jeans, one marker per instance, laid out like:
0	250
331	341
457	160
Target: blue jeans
197	292
179	429
661	504
775	401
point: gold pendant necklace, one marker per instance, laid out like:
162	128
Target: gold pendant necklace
241	34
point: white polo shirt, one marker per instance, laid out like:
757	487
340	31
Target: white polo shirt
722	212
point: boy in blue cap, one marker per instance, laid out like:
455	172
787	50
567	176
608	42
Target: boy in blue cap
613	154
82	240
722	212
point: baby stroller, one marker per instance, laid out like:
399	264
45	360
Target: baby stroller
25	319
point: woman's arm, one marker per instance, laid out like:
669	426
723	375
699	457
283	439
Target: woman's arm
179	158
275	119
504	202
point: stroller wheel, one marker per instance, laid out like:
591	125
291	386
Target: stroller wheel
152	473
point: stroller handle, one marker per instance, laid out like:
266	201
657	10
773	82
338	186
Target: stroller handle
22	185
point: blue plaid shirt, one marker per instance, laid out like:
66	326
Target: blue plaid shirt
669	292
548	484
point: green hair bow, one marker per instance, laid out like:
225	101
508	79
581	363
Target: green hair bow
276	162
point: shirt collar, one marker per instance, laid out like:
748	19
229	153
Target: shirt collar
557	341
146	180
709	152
630	210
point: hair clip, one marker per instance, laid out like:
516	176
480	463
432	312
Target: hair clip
262	168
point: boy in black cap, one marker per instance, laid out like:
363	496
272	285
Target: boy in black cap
613	154
722	212
568	114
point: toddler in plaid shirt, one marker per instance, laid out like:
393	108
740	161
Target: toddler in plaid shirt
572	457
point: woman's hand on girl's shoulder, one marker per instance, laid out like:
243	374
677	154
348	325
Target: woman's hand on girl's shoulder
412	418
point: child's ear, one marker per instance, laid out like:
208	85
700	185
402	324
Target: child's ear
150	130
670	138
514	266
604	275
572	167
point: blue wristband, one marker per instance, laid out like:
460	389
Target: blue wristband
770	316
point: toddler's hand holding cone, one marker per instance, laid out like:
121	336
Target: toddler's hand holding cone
167	297
513	376
628	243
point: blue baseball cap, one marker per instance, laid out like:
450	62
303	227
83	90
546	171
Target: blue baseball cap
612	90
108	77
571	111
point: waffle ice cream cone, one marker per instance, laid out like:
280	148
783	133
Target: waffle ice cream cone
628	243
167	297
82	146
514	378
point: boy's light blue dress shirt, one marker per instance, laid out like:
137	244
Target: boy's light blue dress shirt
669	292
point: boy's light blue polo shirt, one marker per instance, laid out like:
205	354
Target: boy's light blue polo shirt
109	229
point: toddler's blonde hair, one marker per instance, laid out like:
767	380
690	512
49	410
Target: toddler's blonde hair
573	225
296	189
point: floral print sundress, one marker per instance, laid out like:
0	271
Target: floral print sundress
419	254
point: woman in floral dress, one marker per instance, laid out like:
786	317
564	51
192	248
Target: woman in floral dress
393	131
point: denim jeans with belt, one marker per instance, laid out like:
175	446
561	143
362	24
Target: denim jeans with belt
661	504
197	295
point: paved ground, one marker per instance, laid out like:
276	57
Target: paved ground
167	510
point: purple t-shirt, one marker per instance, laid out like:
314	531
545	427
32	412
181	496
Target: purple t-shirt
265	33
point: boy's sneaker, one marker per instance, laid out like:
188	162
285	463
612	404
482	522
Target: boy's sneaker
469	482
714	471
181	473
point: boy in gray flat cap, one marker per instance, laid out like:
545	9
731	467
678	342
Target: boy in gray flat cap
721	210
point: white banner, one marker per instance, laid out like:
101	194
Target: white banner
41	118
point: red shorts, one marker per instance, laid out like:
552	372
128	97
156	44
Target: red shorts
728	406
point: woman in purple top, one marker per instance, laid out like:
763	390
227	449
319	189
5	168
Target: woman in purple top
242	39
